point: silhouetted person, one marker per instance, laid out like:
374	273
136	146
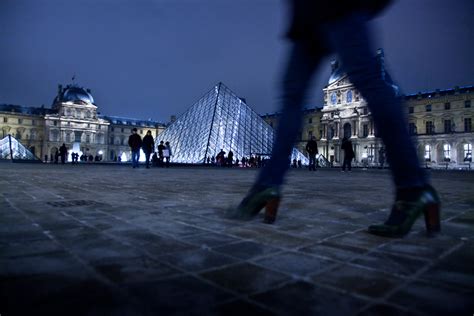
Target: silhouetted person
167	153
319	28
63	153
135	143
381	157
220	158
346	145
230	158
154	159
312	149
148	146
161	147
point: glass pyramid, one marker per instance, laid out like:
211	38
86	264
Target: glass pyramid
220	120
12	149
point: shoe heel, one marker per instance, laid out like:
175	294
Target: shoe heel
432	219
271	210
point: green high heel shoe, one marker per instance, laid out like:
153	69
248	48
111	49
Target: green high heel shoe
255	201
405	213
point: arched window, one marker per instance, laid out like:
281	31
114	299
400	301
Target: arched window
467	152
427	153
447	152
349	96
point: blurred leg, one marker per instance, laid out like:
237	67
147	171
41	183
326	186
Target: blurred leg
350	39
300	67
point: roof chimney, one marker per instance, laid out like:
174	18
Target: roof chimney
173	118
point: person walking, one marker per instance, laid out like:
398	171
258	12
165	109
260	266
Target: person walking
148	147
167	154
312	149
135	143
230	159
381	157
348	154
63	153
319	28
161	147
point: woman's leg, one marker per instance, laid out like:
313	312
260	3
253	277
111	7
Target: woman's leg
301	65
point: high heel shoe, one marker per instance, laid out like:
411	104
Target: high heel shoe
405	213
256	200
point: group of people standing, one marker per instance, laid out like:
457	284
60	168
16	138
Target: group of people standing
346	146
221	160
147	144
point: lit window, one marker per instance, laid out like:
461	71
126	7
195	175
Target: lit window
427	153
349	96
447	152
467	152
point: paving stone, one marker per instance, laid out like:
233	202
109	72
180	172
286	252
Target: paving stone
209	239
334	251
197	260
239	308
357	280
294	263
48	263
246	249
55	294
457	269
245	278
427	248
361	240
268	236
385	310
303	298
177	296
133	270
435	300
389	263
29	248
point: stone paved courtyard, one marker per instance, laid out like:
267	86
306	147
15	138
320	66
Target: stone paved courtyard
112	240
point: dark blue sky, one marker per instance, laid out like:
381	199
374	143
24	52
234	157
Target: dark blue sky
154	58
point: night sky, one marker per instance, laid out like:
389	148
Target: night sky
154	58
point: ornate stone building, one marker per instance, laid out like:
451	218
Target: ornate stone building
440	122
73	120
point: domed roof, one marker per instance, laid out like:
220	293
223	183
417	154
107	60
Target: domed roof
77	95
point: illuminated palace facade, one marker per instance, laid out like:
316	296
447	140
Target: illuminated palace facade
439	121
73	119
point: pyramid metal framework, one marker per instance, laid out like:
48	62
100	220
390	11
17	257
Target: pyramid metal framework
12	149
220	120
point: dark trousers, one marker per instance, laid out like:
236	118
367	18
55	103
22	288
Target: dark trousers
349	39
147	158
135	157
347	163
312	162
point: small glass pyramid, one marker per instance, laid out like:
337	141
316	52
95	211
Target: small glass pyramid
220	120
12	149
